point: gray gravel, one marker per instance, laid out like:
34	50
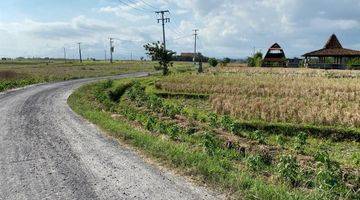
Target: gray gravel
48	152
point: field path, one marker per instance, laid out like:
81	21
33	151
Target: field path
48	152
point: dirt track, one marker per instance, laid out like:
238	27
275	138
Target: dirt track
48	152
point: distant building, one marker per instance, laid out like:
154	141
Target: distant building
332	56
294	62
275	57
189	57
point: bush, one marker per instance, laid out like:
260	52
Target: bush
300	142
213	120
328	172
288	169
280	140
255	61
255	162
213	62
258	136
210	143
226	122
150	124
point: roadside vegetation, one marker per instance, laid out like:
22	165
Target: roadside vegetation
253	133
18	73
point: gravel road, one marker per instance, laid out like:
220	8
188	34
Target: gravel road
48	152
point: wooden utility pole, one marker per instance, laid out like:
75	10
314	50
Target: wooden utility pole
163	20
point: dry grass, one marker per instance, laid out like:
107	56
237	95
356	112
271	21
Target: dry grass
278	95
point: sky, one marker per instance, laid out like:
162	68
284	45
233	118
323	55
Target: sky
227	28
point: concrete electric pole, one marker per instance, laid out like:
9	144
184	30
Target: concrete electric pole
195	37
64	55
163	20
111	49
80	52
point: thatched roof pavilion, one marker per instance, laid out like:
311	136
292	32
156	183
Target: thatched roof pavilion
275	57
333	50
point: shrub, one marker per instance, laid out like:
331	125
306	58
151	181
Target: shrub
236	127
173	131
107	84
280	139
213	119
213	62
255	61
210	143
226	122
150	124
288	169
255	162
258	136
328	172
300	142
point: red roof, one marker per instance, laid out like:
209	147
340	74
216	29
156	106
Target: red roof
333	48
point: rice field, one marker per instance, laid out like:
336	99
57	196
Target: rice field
299	96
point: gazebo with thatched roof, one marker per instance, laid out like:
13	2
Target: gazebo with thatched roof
332	56
275	57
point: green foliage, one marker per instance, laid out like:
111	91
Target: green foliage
280	140
173	131
300	142
258	136
210	143
213	62
213	120
236	128
158	52
328	172
354	63
256	60
150	124
226	60
119	91
226	122
255	162
289	169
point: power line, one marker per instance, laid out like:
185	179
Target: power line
137	3
185	36
133	7
146	3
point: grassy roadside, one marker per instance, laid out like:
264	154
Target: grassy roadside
20	73
218	171
14	74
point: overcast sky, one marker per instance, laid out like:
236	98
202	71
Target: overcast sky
229	28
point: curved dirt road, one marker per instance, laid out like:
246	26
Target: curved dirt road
48	152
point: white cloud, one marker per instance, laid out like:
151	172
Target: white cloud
227	28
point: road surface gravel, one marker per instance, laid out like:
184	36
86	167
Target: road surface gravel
49	152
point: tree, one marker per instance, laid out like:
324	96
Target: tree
158	52
213	62
256	60
227	60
